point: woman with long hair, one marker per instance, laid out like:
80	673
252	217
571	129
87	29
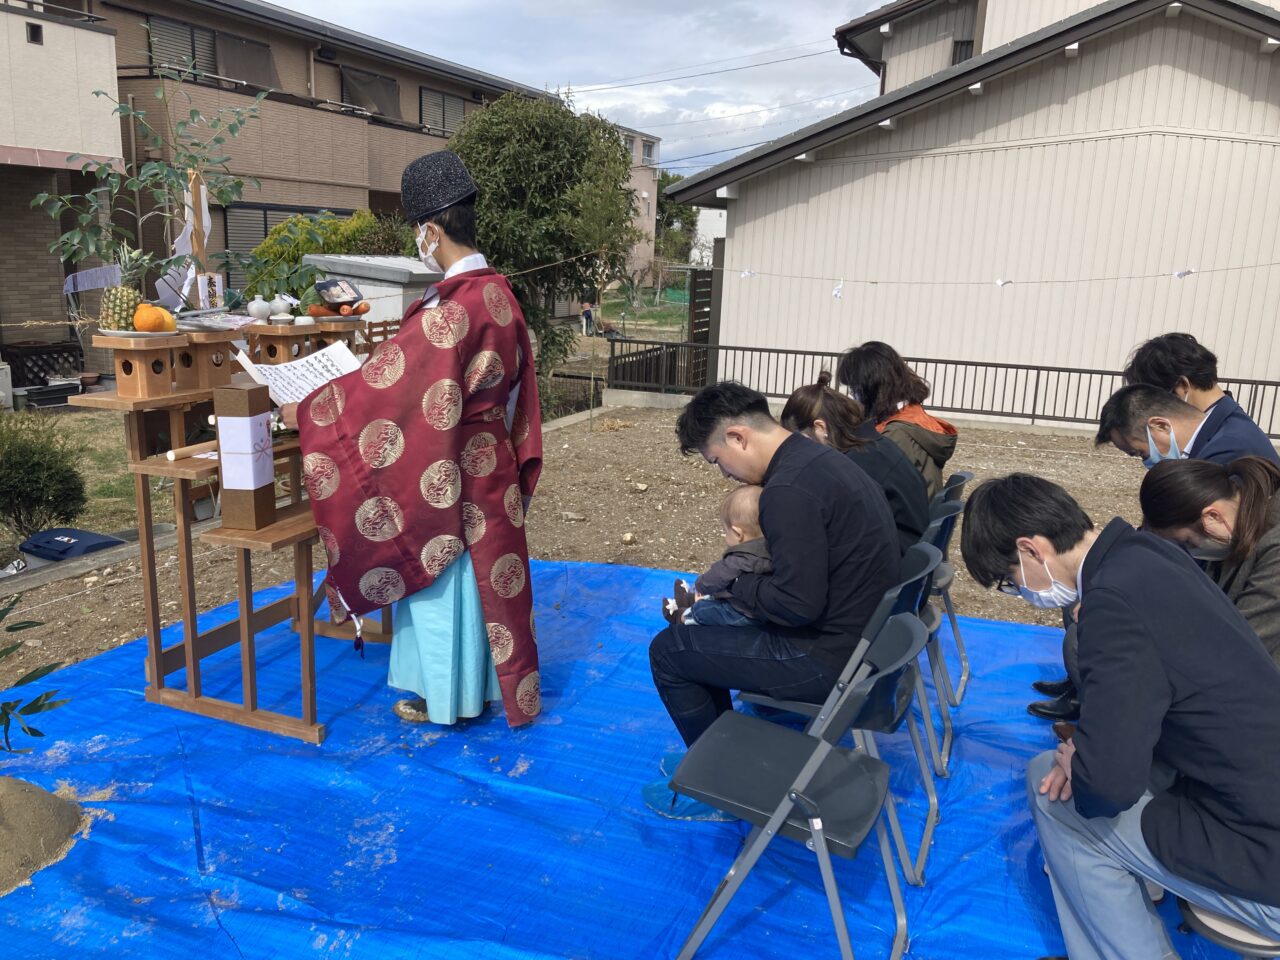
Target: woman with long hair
893	395
1230	516
833	419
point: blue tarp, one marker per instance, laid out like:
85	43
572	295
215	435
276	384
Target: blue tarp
214	841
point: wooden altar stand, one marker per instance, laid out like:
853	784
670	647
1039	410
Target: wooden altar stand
294	529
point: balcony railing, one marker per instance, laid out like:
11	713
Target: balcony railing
1003	390
52	9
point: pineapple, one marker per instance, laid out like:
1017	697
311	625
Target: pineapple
120	302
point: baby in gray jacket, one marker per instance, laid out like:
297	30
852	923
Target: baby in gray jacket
710	602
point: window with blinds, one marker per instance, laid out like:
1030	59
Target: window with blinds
177	44
961	50
440	111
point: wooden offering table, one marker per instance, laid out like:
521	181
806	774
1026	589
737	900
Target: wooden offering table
294	527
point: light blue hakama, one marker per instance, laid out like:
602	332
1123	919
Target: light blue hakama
440	647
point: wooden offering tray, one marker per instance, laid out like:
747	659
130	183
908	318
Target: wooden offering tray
143	365
280	342
208	362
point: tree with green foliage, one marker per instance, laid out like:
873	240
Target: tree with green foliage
554	210
676	224
18	710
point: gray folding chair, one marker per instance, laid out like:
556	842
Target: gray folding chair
888	700
953	489
942	521
944	514
1225	932
802	785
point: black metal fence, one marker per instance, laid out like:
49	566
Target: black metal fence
566	393
1015	391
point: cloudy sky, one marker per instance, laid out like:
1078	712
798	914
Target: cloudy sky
586	45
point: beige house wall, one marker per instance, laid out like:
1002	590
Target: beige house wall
1007	20
1150	153
921	44
48	102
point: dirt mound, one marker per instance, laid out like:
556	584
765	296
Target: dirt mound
36	829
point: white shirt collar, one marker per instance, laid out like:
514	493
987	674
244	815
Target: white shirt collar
475	261
1185	451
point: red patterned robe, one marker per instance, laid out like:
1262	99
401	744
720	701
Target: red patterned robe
408	462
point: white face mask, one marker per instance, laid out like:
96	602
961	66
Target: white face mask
428	255
1057	595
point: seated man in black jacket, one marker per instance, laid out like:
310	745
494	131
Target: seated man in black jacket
835	552
1169	672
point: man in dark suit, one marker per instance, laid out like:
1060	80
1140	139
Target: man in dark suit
1170	673
1148	422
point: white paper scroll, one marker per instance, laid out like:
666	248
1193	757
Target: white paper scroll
294	381
244	446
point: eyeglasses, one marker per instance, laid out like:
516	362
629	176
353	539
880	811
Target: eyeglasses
1008	587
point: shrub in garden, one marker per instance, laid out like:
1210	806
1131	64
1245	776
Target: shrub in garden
40	486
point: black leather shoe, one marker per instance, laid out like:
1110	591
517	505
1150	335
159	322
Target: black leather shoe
1054	688
1063	708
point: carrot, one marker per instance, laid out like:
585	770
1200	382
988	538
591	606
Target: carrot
345	309
362	307
318	310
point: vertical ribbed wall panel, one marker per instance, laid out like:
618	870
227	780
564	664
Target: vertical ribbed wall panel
1151	153
922	44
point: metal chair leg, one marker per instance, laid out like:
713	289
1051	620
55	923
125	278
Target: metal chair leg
930	735
751	851
964	655
818	844
934	815
865	740
900	940
942	687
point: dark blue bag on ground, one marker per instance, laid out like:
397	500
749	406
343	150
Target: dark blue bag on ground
63	542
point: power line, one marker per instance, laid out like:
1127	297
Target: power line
747	113
709	63
798	121
696	156
708	73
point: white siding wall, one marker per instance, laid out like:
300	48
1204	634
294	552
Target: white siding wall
1151	152
1007	20
46	89
921	44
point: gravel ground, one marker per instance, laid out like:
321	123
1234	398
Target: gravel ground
603	480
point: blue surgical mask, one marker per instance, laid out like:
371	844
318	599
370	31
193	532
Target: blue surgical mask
1154	455
1057	595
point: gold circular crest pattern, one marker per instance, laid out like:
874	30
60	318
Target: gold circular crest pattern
446	326
507	576
442	404
379	519
473	522
519	427
321	476
498	304
533	627
479	457
529	695
381	444
385	366
330	544
484	371
382	585
441	484
514	505
439	553
493	413
328	405
501	642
